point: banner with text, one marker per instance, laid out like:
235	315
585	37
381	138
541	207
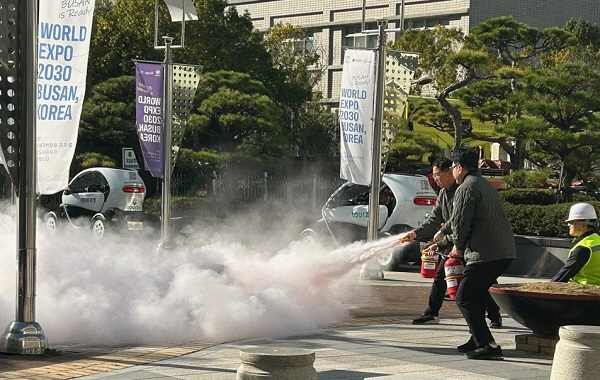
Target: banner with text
65	29
356	115
149	83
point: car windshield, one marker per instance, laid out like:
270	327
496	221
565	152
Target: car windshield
89	182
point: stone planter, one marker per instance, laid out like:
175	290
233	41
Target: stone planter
544	313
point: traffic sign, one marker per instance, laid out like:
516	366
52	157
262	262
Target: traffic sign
129	159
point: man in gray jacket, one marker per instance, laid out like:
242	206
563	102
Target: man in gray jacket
483	236
437	229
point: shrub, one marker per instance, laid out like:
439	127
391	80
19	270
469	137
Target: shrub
540	220
528	196
180	206
583	197
91	160
527	178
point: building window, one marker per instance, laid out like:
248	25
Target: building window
427	23
351	39
301	45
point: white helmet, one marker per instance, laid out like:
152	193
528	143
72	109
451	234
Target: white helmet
582	211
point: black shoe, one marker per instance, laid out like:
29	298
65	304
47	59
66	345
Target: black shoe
447	297
486	352
467	347
497	324
426	318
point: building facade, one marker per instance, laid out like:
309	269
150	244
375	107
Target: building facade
330	24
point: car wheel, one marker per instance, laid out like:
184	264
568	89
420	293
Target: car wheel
308	236
50	222
98	227
387	261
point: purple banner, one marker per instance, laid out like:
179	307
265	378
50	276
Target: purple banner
149	82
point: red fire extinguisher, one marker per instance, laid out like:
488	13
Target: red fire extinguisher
429	265
453	267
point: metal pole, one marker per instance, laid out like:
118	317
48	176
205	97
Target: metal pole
364	11
24	335
377	131
402	8
214	182
266	186
165	242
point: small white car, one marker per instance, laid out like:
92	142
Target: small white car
405	200
101	197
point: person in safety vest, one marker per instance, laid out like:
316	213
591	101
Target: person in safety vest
583	263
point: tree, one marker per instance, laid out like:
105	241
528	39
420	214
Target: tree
517	48
320	137
221	39
122	30
484	69
299	69
562	102
108	118
410	143
234	114
453	60
90	160
585	48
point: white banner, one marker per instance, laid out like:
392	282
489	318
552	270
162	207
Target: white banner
356	116
65	29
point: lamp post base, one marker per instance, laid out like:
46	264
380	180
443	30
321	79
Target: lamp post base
25	338
164	247
370	272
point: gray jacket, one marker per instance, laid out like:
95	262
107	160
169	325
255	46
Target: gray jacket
439	218
480	227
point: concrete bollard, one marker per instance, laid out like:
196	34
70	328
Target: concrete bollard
277	363
577	353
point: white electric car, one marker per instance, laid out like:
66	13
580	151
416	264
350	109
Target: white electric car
100	199
405	200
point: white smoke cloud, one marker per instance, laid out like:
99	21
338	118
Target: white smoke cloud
219	285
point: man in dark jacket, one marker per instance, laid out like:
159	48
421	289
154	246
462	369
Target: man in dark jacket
483	236
437	229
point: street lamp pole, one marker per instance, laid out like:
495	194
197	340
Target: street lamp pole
180	12
167	152
373	225
364	11
25	335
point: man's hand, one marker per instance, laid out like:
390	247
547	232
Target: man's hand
455	252
438	237
431	250
411	236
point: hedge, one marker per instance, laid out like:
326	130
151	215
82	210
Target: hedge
541	220
528	196
182	206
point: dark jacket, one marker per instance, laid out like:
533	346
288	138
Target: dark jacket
480	227
438	219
